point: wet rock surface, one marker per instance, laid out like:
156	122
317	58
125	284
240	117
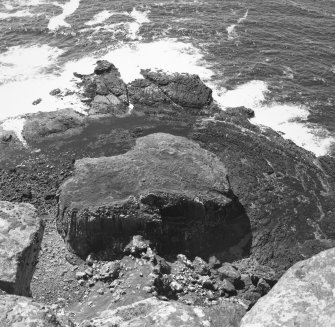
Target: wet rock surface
21	232
304	296
284	193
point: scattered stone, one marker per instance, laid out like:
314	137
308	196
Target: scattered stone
37	101
80	275
89	260
55	92
89	272
110	271
263	287
226	286
200	266
210	295
176	287
227	271
214	262
137	245
206	283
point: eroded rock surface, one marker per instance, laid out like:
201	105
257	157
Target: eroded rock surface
17	311
167	188
21	232
152	312
303	297
66	122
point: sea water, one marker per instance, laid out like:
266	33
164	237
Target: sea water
276	57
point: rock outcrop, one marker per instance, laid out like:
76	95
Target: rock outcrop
165	94
303	297
17	311
21	232
167	188
157	93
152	312
105	91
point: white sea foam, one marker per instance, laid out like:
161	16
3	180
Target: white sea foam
231	30
132	28
16	125
69	8
168	55
30	73
100	17
290	119
243	18
140	17
20	13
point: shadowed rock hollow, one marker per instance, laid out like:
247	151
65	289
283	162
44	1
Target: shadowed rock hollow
167	188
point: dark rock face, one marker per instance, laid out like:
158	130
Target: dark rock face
105	91
41	125
167	188
155	94
161	94
183	89
21	232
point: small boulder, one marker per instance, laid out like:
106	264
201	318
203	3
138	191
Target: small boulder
103	66
226	287
110	271
137	245
227	271
37	101
200	266
55	92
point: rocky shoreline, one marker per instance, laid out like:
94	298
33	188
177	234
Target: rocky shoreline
158	201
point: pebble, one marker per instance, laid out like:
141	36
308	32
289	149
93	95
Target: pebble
176	286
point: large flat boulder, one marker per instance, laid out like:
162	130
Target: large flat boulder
166	188
153	312
17	311
21	232
303	297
